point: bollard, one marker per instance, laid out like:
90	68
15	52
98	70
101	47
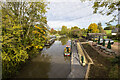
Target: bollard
99	40
82	59
103	42
109	45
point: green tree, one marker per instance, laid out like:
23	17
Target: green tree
100	28
76	32
84	32
52	31
64	30
74	28
69	32
110	27
108	8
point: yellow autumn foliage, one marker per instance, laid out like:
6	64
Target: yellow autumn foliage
35	32
44	37
36	46
40	47
39	35
37	27
43	32
93	28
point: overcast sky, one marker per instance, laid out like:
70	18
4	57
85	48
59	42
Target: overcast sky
73	13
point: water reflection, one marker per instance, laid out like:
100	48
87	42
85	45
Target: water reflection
67	58
38	67
49	46
59	67
50	63
63	40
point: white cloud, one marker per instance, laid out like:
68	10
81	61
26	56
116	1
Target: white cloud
64	0
73	13
82	0
58	24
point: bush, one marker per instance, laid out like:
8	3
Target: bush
114	37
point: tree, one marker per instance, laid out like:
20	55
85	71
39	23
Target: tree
64	30
93	28
106	8
84	32
52	31
110	27
75	27
100	28
69	32
76	32
20	35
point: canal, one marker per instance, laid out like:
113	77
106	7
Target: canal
50	63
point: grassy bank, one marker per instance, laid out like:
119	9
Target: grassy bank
103	67
116	41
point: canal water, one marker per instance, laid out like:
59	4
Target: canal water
50	63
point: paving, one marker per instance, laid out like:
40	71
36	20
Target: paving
77	70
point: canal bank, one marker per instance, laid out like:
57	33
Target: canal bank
77	68
103	67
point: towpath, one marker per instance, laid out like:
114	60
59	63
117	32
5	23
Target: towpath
77	70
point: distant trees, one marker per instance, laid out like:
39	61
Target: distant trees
101	30
109	27
52	31
71	32
74	28
93	28
84	32
64	30
76	32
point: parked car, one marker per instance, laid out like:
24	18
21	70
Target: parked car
106	41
